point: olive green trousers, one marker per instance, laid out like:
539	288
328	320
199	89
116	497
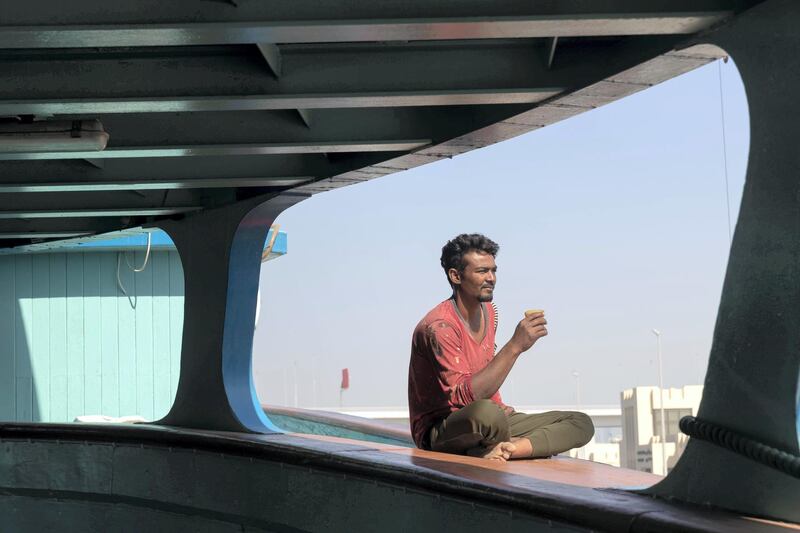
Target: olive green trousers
481	425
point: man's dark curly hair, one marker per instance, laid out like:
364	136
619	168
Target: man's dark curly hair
453	252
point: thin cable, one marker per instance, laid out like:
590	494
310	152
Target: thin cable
725	153
121	286
146	256
140	269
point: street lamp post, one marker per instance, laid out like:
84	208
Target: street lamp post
657	333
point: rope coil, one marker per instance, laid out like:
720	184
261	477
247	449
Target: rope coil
741	444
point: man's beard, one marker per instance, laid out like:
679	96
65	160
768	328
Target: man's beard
486	298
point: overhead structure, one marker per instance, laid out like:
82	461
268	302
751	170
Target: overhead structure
220	115
206	104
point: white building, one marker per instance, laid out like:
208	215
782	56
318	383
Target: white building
642	441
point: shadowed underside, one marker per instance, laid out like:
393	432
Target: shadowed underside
210	103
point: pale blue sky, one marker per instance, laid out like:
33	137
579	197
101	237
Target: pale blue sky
614	222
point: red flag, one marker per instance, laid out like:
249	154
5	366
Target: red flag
345	379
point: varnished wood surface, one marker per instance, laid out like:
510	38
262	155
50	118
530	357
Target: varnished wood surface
558	469
527	475
784	525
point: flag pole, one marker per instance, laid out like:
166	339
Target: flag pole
345	384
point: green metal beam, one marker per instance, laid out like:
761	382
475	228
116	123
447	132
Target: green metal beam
369	30
224	150
86	213
189	183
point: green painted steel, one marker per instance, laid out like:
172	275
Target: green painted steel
71	343
53	484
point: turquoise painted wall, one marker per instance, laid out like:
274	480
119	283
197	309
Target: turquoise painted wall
72	344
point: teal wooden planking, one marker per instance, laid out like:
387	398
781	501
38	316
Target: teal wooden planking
22	338
92	333
75	337
176	291
144	337
40	336
24	399
72	344
109	333
58	338
127	340
162	398
8	312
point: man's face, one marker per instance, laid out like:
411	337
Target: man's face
478	278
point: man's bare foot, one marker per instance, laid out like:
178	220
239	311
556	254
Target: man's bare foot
501	452
524	448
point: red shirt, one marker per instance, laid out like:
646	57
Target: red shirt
444	356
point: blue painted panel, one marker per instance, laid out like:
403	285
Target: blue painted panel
126	314
24	398
92	334
75	337
281	243
159	240
162	357
40	342
58	338
144	337
109	334
71	343
23	332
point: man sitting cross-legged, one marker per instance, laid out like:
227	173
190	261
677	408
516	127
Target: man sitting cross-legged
455	375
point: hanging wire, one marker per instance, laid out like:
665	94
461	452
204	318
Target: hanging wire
132	301
121	286
146	256
725	151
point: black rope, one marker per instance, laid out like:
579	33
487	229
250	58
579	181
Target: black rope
750	448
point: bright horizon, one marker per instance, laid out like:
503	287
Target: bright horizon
614	221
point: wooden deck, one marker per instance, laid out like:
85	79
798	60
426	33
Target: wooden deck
564	470
532	478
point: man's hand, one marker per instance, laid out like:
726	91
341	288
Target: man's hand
529	330
488	380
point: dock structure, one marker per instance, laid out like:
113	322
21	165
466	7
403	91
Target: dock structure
208	120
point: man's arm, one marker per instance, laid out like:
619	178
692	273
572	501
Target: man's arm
488	380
